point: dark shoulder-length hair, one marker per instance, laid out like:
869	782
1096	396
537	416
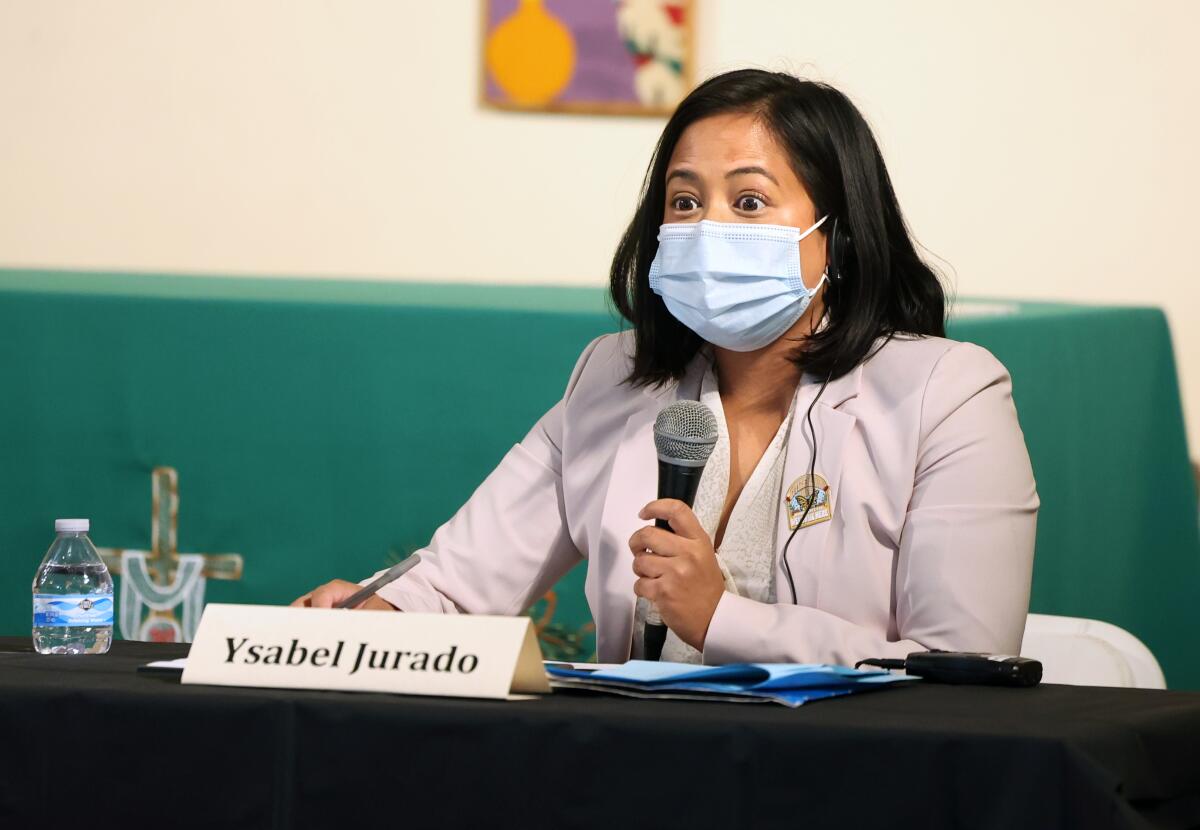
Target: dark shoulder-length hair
885	288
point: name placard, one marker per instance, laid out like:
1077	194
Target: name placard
457	655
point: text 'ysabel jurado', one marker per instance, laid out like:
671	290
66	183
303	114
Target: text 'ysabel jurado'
365	657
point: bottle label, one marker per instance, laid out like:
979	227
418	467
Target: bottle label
72	609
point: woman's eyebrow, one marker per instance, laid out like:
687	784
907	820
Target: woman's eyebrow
741	171
683	174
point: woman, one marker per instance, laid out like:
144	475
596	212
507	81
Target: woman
768	273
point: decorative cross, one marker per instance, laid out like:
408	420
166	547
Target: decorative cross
162	564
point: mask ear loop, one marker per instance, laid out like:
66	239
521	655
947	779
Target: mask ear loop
812	498
814	226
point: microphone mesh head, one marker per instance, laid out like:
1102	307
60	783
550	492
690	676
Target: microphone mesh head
685	432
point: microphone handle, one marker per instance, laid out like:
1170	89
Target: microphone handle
653	638
675	481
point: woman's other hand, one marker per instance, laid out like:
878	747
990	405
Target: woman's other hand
334	592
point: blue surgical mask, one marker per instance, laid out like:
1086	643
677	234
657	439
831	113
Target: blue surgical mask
735	284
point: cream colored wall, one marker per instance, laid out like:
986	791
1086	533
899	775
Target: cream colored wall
1044	149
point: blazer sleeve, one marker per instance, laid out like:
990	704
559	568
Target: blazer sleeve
965	560
509	543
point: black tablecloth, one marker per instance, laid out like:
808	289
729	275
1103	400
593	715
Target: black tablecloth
89	741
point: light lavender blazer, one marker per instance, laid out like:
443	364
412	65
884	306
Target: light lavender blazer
930	544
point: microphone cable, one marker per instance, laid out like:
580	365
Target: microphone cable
812	472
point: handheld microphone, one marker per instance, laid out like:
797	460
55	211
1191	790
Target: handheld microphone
684	436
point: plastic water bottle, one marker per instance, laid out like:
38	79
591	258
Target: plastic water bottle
72	595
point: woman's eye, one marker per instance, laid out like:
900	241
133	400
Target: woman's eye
750	204
684	203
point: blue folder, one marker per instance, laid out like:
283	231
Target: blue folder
791	684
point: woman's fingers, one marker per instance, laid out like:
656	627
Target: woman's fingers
328	595
331	593
662	542
376	604
647	588
649	565
678	515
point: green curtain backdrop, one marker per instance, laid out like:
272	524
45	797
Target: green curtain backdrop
324	428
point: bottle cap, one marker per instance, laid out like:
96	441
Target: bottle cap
71	525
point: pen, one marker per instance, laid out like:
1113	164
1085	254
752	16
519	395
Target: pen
369	590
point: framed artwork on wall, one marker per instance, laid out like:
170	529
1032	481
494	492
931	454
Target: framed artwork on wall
620	57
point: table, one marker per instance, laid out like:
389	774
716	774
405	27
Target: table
322	428
159	753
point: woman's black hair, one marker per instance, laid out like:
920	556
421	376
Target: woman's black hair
884	287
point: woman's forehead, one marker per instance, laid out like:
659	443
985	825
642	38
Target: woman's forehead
730	139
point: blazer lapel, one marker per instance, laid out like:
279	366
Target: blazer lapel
632	484
832	426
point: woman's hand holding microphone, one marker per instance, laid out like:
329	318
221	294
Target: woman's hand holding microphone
678	571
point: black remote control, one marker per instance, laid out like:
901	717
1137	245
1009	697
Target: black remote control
981	669
965	667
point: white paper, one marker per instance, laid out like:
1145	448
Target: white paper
584	666
179	664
